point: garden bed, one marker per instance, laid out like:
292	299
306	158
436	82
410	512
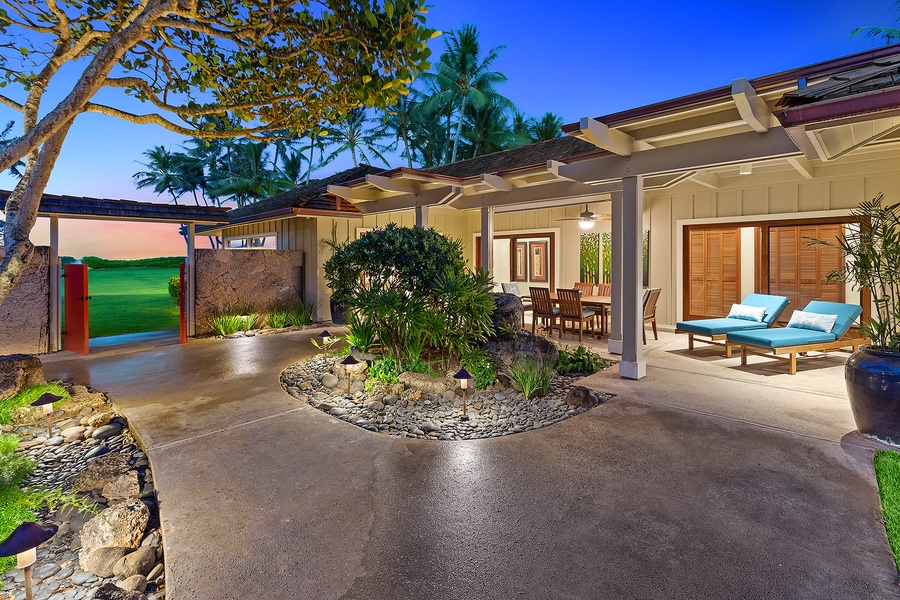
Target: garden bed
433	410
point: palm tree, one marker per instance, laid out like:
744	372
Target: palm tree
351	134
399	123
521	129
245	177
888	35
546	128
464	77
162	173
488	129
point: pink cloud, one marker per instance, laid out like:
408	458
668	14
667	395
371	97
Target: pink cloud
114	239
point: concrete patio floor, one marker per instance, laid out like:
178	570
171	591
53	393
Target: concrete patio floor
703	480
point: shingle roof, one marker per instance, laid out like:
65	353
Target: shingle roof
125	210
880	74
524	156
313	196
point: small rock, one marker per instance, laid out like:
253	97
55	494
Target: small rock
428	427
108	591
45	570
337	411
101	561
83	577
329	380
155	572
139	562
72	431
579	397
376	406
135	583
123	486
107	431
100	419
390	399
55	441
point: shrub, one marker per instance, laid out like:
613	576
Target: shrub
277	318
386	370
300	314
14	466
580	360
481	366
29	395
226	323
361	333
175	289
420	366
531	376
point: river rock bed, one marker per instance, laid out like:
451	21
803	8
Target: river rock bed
113	549
432	410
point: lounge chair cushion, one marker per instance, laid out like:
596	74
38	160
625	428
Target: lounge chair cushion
814	321
718	326
748	313
780	337
773	304
846	314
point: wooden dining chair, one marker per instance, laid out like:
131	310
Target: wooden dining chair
650	298
586	289
542	308
604	289
570	309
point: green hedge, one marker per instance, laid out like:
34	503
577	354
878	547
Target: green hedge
94	262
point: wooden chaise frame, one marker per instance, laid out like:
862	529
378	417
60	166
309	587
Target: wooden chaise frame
716	339
854	342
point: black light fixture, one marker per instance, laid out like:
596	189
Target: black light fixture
463	376
349	362
22	543
46	403
325	336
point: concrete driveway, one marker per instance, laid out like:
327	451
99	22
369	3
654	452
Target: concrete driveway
700	481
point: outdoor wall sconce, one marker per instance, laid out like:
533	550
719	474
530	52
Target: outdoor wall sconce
325	337
22	543
349	362
46	403
463	376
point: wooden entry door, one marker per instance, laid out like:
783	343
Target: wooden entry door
798	270
76	307
713	272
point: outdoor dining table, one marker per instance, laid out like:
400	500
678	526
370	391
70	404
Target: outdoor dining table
592	302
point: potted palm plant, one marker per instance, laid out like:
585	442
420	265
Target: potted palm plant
872	253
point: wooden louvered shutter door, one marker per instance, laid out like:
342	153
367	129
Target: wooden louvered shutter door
798	270
714	272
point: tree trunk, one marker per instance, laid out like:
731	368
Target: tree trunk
406	149
462	112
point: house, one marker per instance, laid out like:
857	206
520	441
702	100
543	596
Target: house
729	182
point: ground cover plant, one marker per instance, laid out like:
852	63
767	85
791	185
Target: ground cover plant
531	376
131	300
226	323
580	360
887	472
27	396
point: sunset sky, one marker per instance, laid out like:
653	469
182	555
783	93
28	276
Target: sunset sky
581	59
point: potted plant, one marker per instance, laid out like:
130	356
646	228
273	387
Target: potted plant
339	277
872	253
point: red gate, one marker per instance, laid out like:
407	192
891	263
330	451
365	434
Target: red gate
76	307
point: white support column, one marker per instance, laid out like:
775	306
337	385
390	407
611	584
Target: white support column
615	324
632	365
422	216
190	280
487	240
55	341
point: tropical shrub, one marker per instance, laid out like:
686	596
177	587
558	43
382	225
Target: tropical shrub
580	360
277	318
386	370
226	323
531	376
300	314
361	332
481	366
175	289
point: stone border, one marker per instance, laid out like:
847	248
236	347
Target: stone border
434	414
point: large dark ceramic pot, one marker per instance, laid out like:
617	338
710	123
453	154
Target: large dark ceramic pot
873	384
338	312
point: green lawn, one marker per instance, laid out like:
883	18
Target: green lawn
887	471
131	300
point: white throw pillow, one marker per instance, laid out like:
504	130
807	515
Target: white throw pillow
814	321
748	313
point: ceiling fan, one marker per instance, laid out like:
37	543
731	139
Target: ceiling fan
587	218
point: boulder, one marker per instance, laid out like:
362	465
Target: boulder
139	562
357	371
579	397
100	419
19	371
426	384
123	486
121	525
507	313
107	431
380	390
101	470
101	561
108	591
507	349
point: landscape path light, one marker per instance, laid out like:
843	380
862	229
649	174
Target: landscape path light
349	362
463	376
22	543
46	403
325	336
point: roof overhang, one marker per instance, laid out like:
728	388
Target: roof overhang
79	207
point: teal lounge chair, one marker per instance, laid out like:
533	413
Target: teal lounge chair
793	340
716	330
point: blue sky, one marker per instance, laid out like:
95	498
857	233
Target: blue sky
574	58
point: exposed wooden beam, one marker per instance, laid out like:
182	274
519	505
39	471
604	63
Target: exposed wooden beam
600	135
803	166
753	109
496	182
690	156
388	184
433	197
539	193
705	178
357	194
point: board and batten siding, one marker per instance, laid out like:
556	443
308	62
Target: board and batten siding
773	193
